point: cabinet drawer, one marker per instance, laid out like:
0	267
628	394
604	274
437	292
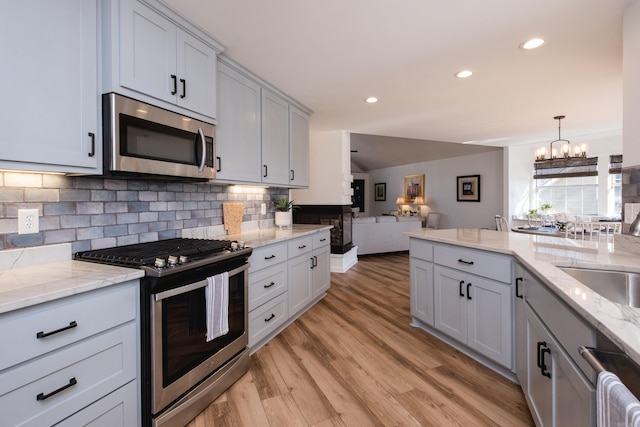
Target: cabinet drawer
118	409
91	312
267	255
267	318
481	263
266	284
97	365
300	246
421	249
321	239
570	331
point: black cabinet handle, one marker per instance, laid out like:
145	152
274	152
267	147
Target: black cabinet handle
42	396
468	293
293	175
270	317
312	263
93	144
302	247
518	281
175	84
269	257
219	168
465	262
460	288
315	261
540	345
43	334
265	171
323	240
269	285
543	368
184	88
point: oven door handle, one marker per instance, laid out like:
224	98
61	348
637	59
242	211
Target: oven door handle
193	286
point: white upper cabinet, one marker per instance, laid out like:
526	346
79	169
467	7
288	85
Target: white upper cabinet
153	58
49	85
299	147
275	139
238	133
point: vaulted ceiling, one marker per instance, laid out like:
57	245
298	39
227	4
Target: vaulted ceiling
332	54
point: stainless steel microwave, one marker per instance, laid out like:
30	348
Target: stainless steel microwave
143	139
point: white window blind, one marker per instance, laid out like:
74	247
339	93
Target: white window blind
574	195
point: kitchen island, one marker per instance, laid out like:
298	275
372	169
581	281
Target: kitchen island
503	299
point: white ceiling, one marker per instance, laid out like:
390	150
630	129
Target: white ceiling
332	54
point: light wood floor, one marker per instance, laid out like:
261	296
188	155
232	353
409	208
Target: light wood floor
354	360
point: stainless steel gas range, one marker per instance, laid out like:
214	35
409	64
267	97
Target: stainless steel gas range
191	287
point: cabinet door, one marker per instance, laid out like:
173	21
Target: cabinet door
147	52
450	302
422	290
321	270
521	357
196	68
299	146
490	321
49	86
299	283
238	130
275	139
539	390
571	386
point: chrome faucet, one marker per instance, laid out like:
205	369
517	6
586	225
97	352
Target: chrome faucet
634	229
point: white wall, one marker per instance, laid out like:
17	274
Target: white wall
631	78
329	170
521	186
440	188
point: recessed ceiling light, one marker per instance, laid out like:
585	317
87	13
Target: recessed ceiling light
464	74
532	44
371	100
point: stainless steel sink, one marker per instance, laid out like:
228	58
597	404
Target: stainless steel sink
616	286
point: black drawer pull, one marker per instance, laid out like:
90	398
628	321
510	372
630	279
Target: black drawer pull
93	144
184	88
460	288
42	334
42	396
540	345
302	247
269	285
468	293
270	317
175	84
269	257
465	262
543	368
519	280
265	171
323	240
219	169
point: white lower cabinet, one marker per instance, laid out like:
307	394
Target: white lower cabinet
73	354
474	311
285	278
421	273
557	392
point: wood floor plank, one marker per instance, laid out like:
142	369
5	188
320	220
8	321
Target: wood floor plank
353	359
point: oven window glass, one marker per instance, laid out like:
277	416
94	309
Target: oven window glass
148	140
184	344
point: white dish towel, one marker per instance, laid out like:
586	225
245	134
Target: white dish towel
217	299
616	405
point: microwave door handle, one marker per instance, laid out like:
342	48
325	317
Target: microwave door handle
204	150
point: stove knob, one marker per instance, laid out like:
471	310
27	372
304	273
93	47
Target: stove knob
182	259
172	260
160	263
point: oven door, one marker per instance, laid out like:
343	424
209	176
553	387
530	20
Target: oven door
181	357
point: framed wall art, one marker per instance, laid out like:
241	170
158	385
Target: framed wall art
468	188
413	187
380	192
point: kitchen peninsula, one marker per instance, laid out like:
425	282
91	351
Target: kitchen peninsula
503	299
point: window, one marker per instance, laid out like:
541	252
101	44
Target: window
574	196
614	196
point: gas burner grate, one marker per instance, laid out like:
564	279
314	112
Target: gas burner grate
145	254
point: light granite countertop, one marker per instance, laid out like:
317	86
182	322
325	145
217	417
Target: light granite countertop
542	255
25	280
37	275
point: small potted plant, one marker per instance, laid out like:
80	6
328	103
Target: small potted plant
283	206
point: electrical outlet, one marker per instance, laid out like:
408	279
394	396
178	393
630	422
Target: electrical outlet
28	221
263	209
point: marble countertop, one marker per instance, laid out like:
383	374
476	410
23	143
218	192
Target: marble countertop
542	255
26	281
